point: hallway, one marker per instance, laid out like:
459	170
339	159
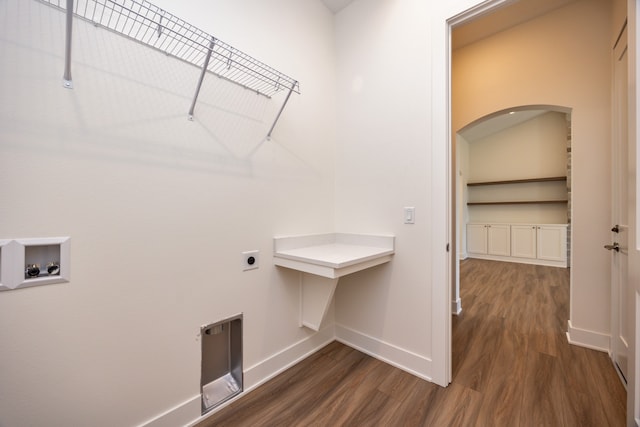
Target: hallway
509	344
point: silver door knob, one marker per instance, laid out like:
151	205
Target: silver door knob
614	247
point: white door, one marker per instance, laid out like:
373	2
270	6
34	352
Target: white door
499	239
620	231
552	242
523	241
476	238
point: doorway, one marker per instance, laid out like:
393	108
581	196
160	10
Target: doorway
512	171
506	80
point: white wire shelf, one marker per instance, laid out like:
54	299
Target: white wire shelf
154	27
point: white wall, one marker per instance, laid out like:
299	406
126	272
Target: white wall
158	208
462	162
382	153
535	148
560	59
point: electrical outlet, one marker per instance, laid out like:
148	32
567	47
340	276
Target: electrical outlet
250	260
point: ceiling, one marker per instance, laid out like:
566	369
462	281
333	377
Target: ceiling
514	13
489	126
336	6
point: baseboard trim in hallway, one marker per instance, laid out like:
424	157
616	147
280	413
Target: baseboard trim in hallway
588	339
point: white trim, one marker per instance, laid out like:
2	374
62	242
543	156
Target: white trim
188	413
456	307
441	164
477	11
279	362
181	414
536	261
401	358
588	339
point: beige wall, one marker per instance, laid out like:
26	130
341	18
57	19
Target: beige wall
560	59
535	148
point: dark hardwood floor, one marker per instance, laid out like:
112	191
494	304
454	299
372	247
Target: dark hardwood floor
512	366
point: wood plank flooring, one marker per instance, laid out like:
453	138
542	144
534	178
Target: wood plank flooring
512	366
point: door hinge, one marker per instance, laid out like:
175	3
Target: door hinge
447	247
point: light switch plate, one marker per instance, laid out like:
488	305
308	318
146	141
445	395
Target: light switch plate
409	215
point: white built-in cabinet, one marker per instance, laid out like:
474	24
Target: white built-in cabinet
492	239
524	241
544	244
552	243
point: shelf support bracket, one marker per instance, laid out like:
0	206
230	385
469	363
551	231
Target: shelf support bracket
66	79
201	79
293	85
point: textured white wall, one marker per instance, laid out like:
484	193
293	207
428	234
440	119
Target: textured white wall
158	208
560	59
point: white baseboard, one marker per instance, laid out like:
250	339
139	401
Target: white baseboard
534	261
274	365
179	415
588	339
456	307
406	360
188	413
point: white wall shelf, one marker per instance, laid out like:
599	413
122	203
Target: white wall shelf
34	262
322	259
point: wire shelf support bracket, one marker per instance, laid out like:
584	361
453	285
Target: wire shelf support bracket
284	104
146	23
202	74
66	78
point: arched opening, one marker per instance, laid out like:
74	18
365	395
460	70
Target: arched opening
513	170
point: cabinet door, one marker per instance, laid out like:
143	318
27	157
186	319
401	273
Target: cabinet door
476	238
523	241
552	242
499	239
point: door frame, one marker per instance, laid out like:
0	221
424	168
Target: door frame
444	248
